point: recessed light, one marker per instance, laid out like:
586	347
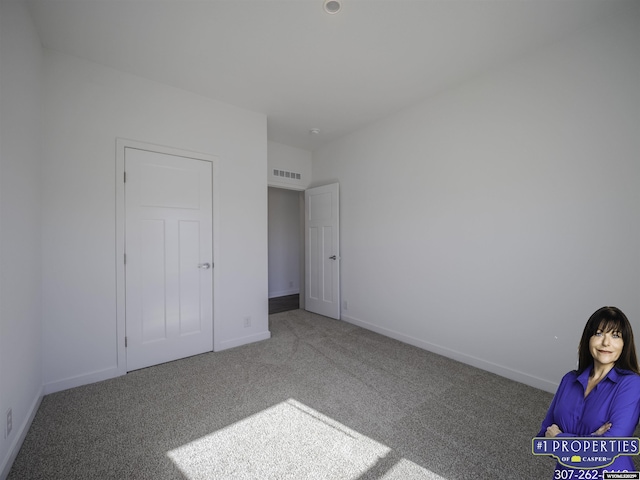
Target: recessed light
332	6
314	131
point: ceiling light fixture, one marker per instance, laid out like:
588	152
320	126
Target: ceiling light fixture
332	6
314	131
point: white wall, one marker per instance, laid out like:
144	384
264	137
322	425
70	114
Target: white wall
88	106
489	222
288	159
20	231
284	242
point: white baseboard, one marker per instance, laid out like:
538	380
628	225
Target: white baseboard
238	342
80	380
113	372
501	370
284	293
19	436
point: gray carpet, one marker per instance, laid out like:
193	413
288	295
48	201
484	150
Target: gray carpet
322	399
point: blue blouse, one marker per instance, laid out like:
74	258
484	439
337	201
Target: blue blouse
615	399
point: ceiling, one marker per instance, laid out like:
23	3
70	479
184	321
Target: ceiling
300	66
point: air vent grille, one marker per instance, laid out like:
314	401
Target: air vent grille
285	174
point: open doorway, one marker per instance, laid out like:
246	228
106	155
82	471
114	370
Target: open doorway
286	249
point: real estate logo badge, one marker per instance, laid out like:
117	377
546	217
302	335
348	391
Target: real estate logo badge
588	452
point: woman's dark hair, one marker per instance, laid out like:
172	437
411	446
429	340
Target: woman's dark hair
609	319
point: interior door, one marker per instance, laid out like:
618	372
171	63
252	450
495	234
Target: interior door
322	250
169	257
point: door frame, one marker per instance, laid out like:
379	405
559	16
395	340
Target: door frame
303	243
121	145
301	238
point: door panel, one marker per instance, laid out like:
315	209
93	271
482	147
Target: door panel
322	256
168	242
328	293
312	246
189	238
152	273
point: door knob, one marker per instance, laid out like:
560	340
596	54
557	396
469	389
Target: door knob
332	257
204	266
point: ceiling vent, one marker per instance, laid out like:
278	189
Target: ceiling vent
285	174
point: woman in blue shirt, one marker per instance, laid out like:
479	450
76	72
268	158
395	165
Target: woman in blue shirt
601	397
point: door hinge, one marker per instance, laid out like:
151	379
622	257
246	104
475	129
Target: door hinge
125	342
125	177
125	258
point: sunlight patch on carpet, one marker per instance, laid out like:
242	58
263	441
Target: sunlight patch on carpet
291	440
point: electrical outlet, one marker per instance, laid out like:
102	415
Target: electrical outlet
247	322
345	305
9	423
290	283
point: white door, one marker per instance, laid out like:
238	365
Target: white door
169	256
322	254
